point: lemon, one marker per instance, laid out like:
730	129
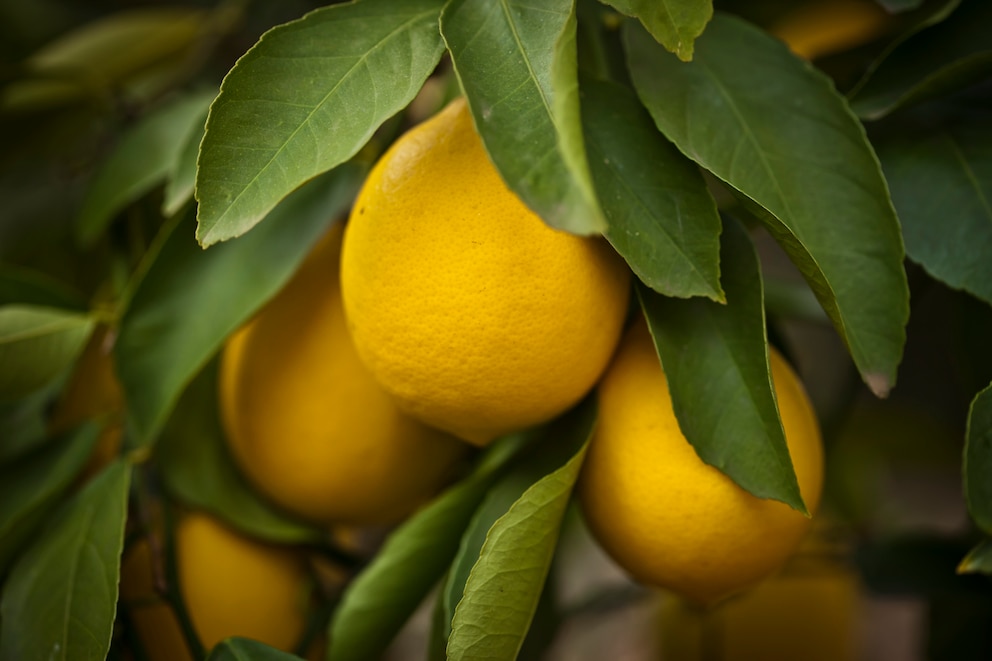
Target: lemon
232	585
825	27
310	428
671	520
478	317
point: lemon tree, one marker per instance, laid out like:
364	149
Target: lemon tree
320	306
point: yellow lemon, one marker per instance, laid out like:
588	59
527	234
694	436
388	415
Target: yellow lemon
671	520
825	27
232	585
308	425
474	314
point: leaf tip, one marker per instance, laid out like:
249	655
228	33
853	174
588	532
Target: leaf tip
879	384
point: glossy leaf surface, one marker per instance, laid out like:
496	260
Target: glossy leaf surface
674	24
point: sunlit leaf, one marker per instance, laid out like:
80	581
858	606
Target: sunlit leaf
662	219
675	24
191	299
60	599
775	129
305	99
978	460
381	598
141	160
517	65
36	344
504	587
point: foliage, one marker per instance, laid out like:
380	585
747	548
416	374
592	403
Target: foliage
757	197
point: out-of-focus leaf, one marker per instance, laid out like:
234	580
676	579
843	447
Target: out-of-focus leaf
31	486
27	287
198	470
504	587
951	50
181	178
245	649
941	183
662	218
103	56
385	594
777	132
716	361
36	344
978	560
60	599
305	99
517	64
978	460
23	425
674	24
191	299
146	153
897	6
920	566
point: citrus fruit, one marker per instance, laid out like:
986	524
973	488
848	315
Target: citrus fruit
307	424
232	585
671	520
478	317
825	27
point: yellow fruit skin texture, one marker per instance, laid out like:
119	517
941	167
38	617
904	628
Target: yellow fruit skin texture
474	314
309	426
666	517
825	27
810	614
232	586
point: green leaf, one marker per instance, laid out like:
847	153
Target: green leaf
36	344
141	160
198	470
897	6
23	422
978	460
662	218
517	65
181	178
794	152
941	182
31	486
716	361
245	649
190	300
948	51
61	597
674	24
305	99
30	287
504	587
413	559
978	560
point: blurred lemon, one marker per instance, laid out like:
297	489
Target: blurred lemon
825	27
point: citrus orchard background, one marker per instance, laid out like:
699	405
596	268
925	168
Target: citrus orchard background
336	330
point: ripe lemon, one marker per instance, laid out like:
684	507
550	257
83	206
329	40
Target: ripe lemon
232	585
308	425
665	516
474	314
825	27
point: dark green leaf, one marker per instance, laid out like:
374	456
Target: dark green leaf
413	559
896	6
674	24
60	600
978	560
28	287
198	470
504	587
950	51
36	344
182	176
31	486
662	219
245	649
978	460
141	160
23	422
716	361
941	183
776	130
517	64
306	98
191	299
